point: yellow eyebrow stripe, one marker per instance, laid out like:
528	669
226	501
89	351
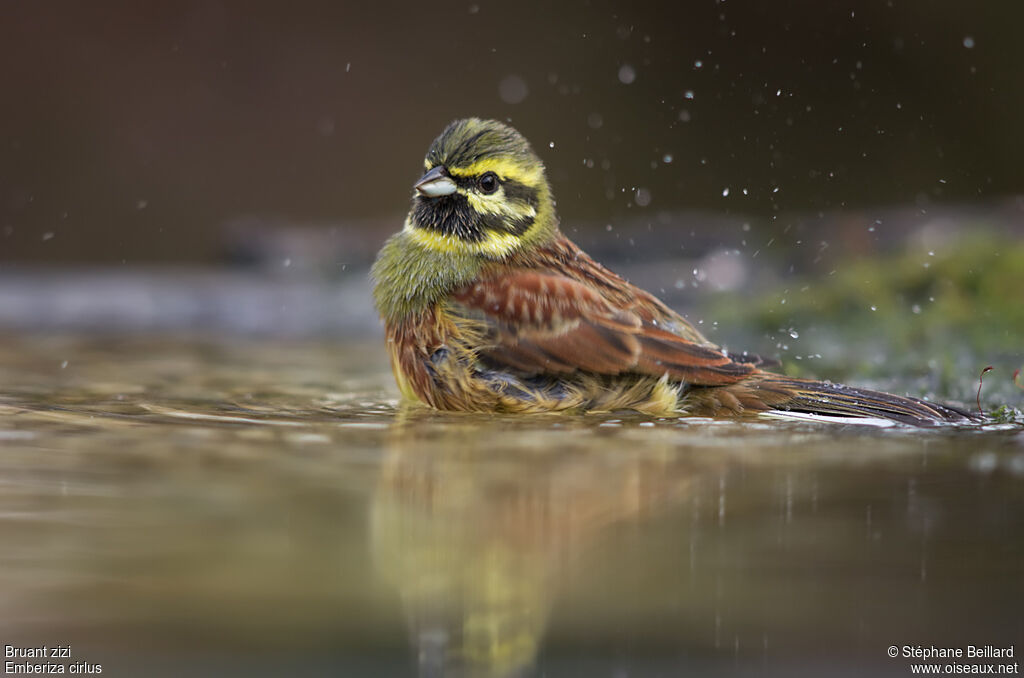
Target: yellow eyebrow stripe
504	168
494	244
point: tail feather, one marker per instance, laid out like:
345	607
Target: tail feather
766	391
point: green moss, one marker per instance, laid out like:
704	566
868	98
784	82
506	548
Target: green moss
1004	414
943	315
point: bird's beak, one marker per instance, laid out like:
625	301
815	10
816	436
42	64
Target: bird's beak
435	183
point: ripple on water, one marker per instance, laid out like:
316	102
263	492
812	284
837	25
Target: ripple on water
273	508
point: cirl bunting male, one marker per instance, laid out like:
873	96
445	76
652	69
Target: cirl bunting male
488	307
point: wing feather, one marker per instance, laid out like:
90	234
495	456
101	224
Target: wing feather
545	323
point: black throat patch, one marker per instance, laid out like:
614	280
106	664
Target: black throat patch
453	215
449	215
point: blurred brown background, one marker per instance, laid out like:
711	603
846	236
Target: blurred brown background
136	131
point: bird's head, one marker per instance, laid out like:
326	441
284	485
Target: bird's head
484	193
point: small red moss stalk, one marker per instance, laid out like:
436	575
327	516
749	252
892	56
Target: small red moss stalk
981	379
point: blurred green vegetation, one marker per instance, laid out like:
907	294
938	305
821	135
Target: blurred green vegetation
939	316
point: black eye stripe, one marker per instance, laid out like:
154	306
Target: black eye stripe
515	191
519	192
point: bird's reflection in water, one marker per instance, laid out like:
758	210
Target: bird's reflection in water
478	542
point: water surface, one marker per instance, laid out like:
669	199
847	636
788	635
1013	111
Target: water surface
220	507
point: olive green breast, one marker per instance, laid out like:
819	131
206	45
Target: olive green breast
408	278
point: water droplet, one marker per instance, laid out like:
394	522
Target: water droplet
793	333
916	309
874	308
551	144
968	42
667	158
698	63
512	89
325	126
594	121
48	236
688	94
627	74
642	197
725	192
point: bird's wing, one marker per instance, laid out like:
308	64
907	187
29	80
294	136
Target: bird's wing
543	323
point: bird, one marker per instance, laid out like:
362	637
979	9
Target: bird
488	307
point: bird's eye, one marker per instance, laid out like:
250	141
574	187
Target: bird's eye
489	183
